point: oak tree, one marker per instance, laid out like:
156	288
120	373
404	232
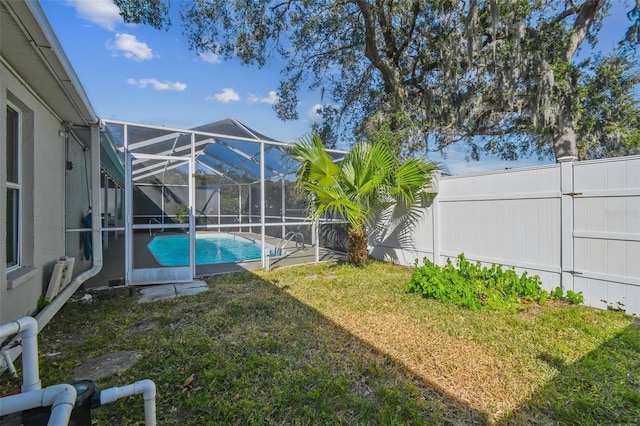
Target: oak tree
502	75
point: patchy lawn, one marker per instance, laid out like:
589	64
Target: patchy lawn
333	344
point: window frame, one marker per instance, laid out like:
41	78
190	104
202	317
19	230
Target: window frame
15	186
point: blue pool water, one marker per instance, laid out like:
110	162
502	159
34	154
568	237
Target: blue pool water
173	250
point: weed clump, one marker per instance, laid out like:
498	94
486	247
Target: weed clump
477	287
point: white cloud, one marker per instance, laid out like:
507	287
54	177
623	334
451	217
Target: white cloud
314	113
158	85
210	57
227	95
130	47
271	99
102	12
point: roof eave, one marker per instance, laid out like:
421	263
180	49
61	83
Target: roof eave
37	29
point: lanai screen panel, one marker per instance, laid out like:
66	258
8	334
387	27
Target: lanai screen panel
231	163
228	173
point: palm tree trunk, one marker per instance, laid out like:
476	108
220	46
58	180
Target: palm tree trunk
358	248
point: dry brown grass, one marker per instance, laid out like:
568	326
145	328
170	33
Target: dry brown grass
460	367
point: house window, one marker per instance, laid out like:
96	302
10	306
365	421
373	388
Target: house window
14	187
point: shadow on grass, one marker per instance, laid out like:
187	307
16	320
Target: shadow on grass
603	387
245	352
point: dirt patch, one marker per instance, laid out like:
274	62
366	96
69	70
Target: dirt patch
105	365
143	326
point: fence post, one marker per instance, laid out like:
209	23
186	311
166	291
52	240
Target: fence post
566	223
435	223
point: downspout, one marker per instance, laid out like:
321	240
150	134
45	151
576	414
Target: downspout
13	349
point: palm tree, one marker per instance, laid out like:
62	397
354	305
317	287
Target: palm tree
367	180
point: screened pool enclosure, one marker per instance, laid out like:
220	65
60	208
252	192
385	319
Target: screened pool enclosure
218	179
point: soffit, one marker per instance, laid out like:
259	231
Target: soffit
30	48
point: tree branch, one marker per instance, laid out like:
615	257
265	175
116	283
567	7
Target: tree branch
414	20
584	20
371	48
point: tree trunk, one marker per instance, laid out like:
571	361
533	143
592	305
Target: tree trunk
358	248
565	140
380	53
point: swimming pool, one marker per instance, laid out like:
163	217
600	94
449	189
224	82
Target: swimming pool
173	250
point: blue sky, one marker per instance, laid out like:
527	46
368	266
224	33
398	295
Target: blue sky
143	75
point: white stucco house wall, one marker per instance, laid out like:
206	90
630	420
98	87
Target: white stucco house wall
46	171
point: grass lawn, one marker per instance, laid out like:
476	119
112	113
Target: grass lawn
333	344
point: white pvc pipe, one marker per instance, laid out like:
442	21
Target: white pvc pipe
27	327
61	398
62	405
9	328
148	390
9	363
30	369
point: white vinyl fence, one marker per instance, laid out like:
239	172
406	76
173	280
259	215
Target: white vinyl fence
574	224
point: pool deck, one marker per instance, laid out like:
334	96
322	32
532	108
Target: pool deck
112	273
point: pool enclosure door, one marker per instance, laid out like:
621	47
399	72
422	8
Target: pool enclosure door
159	204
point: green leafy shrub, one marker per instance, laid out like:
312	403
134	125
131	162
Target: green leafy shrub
474	286
571	297
574	298
557	293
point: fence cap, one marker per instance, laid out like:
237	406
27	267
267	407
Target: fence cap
567	159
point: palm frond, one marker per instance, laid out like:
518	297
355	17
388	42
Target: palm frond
410	179
315	163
